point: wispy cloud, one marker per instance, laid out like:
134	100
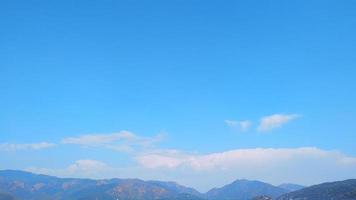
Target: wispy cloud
121	141
25	146
243	125
99	139
270	122
85	168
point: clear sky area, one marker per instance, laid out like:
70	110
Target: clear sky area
194	91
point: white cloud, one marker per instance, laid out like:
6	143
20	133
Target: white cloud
235	158
25	146
122	141
275	121
240	125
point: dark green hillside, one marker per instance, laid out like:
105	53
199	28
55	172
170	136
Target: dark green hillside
340	190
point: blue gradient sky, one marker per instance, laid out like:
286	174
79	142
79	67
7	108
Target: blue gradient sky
175	68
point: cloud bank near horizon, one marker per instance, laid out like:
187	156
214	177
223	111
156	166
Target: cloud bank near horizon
309	165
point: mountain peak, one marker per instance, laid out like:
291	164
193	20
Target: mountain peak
243	189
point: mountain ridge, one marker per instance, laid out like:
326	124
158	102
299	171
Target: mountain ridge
338	190
21	185
30	186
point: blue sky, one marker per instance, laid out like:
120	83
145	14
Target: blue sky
106	84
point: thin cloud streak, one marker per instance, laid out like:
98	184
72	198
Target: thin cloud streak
123	141
25	146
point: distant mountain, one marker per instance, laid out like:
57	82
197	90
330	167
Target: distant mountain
28	186
340	190
291	187
244	190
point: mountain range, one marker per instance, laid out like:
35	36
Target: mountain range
20	185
